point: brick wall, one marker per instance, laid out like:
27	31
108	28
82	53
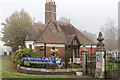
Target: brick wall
60	52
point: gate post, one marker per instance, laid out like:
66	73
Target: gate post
84	59
100	58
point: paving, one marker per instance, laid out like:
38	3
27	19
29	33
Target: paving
83	77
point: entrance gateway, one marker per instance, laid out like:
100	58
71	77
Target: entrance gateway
103	64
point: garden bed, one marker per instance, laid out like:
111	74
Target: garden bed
42	71
9	72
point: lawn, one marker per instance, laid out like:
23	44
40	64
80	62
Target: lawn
9	71
111	65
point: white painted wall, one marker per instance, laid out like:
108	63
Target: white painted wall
27	43
56	45
49	45
4	48
89	46
38	44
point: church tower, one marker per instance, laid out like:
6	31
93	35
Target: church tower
50	10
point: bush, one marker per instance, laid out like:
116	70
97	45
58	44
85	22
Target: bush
37	66
26	63
53	66
19	54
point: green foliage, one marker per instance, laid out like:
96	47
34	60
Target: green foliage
18	65
53	66
17	56
13	75
16	28
26	63
53	54
37	66
110	65
71	65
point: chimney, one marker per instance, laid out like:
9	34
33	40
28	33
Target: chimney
50	10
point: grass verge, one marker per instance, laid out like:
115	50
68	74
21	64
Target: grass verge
8	71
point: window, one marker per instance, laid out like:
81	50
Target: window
75	42
42	47
30	46
53	49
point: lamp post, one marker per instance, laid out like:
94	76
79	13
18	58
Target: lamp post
84	59
45	50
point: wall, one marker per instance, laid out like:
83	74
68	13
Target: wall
27	43
60	51
41	71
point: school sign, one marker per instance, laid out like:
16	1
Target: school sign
43	60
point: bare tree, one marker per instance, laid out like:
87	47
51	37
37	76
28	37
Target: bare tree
64	19
38	23
90	36
110	33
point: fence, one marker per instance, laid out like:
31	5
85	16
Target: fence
112	65
91	64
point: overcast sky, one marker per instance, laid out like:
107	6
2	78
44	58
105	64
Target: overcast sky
87	15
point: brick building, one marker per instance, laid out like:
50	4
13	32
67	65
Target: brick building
53	36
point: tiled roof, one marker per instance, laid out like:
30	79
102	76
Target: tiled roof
35	32
57	32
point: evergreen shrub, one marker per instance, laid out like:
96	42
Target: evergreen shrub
19	54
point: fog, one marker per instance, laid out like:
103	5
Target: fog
87	15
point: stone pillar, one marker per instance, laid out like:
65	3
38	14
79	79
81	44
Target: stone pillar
84	59
100	58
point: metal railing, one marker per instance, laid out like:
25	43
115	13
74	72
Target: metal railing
112	65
